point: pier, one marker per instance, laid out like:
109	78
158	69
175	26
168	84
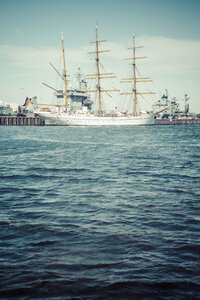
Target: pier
21	121
177	121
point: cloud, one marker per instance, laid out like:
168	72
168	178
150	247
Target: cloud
165	56
172	56
26	57
38	58
162	52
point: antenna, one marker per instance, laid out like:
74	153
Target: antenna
78	76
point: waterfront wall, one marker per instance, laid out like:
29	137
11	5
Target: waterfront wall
21	121
176	121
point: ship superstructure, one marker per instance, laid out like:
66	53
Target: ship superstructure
170	108
78	97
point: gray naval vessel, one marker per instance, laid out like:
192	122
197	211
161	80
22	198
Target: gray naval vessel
171	112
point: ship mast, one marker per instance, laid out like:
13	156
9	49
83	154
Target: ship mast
63	77
64	74
134	79
98	76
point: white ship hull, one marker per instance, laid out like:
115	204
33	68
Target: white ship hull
65	119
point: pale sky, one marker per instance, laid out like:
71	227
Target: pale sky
30	39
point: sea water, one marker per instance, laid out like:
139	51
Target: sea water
100	212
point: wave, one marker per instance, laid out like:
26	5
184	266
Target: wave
86	288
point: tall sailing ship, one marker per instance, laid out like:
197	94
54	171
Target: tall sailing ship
67	115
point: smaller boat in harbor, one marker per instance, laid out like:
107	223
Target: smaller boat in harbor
5	109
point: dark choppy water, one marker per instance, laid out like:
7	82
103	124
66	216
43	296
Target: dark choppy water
100	213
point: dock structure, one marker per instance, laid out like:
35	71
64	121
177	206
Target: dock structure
21	121
177	121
